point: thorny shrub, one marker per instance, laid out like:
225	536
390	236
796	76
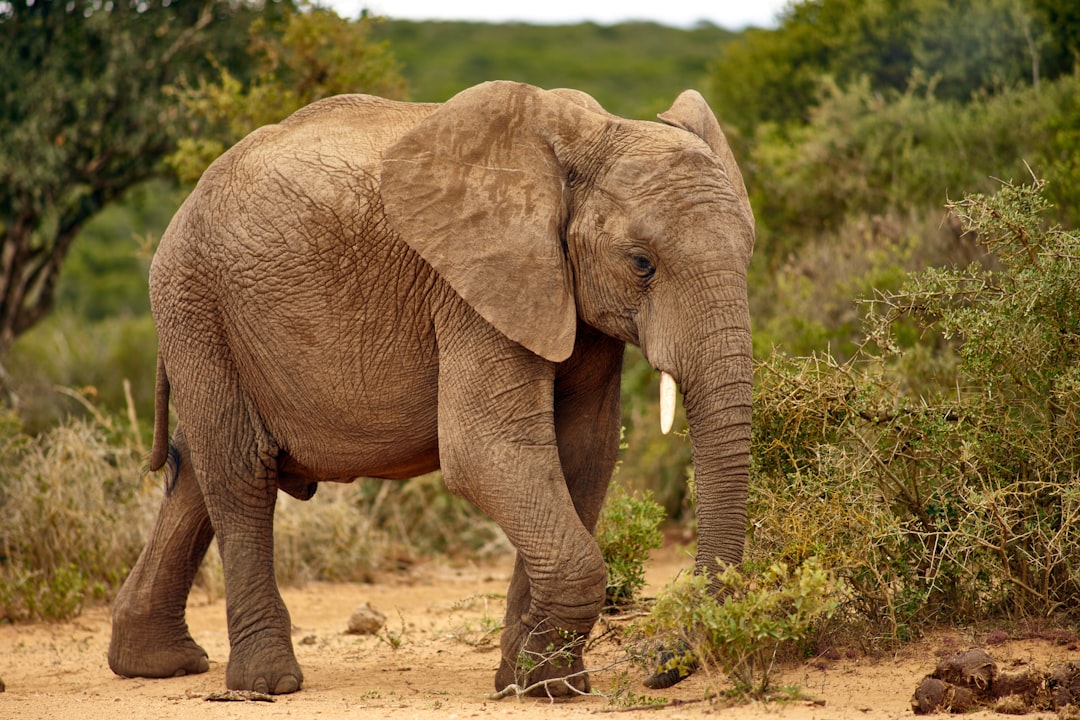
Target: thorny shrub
955	497
741	620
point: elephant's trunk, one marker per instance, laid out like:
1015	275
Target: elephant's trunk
717	397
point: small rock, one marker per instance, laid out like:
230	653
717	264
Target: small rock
366	620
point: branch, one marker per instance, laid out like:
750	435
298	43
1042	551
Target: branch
182	40
675	702
519	691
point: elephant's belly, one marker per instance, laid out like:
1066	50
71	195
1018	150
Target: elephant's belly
382	445
294	474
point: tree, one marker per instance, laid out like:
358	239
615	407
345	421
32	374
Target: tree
84	116
971	46
301	58
1062	20
965	47
774	75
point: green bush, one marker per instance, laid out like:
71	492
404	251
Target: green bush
850	201
740	621
629	528
650	461
109	363
865	153
972	48
953	497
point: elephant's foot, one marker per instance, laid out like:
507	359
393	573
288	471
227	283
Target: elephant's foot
143	648
547	662
265	670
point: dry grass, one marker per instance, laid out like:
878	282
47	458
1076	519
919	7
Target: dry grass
76	507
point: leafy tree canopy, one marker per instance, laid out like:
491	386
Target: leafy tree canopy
84	116
305	56
964	47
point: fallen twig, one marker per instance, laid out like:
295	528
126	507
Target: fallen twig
239	696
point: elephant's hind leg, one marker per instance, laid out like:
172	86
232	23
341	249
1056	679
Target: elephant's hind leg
150	636
235	463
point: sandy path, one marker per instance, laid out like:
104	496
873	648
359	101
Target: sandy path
438	671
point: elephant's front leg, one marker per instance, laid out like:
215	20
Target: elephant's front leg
498	449
587	421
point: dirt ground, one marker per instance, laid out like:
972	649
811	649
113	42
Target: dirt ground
433	660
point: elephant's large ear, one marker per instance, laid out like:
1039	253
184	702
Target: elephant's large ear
477	190
691	112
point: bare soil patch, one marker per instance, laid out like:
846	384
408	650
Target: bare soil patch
436	658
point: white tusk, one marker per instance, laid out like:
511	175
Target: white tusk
667	402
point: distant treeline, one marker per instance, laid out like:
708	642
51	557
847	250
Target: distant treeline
633	69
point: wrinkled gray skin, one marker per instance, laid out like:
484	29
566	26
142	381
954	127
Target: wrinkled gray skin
372	288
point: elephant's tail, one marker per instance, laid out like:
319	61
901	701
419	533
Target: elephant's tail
159	453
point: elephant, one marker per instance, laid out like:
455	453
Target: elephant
374	288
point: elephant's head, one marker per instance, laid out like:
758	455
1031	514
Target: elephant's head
542	210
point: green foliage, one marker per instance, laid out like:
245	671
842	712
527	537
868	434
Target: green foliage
83	118
863	152
957	498
849	202
805	301
629	528
310	55
1062	46
649	460
104	361
976	46
1058	151
105	274
740	621
965	47
632	69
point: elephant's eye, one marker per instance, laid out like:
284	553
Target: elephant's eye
643	267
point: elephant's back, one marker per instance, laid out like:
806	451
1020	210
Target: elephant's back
320	153
296	190
344	131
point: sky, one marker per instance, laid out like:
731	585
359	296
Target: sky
731	14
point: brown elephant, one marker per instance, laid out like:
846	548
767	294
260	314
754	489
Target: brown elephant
376	288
